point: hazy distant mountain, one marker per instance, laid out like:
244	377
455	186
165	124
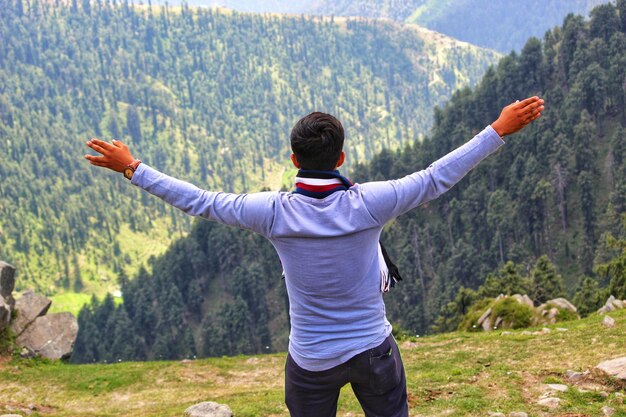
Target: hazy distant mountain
500	25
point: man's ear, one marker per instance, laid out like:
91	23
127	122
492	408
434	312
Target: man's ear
342	159
294	160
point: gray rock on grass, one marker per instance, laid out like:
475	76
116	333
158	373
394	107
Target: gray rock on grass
518	414
575	376
51	336
607	411
29	307
608	321
557	387
550	402
563	304
615	368
208	409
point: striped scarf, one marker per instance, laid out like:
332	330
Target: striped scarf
321	184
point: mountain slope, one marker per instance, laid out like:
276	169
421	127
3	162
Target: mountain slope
203	94
453	374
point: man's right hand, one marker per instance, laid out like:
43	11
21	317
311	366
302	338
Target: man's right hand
115	156
517	115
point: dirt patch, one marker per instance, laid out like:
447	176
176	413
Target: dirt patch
12	407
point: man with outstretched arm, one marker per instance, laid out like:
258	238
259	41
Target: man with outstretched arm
326	234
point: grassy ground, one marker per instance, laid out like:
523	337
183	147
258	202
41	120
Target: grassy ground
455	374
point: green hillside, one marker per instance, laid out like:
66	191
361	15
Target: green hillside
556	189
453	374
204	94
500	25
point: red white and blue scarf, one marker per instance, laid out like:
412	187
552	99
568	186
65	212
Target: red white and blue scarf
321	184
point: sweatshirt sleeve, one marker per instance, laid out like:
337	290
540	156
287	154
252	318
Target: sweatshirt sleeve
249	211
386	200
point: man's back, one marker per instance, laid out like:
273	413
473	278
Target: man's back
328	247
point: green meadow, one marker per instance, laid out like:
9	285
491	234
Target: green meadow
452	374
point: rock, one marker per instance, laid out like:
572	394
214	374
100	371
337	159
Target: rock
208	409
527	333
529	303
615	368
550	402
51	336
492	414
29	307
607	411
5	313
603	394
498	322
10	415
487	324
561	329
608	306
524	299
609	301
558	387
483	317
563	304
506	333
608	322
575	376
7	282
545	330
618	304
518	414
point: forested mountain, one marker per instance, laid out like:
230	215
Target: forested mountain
203	94
558	189
500	25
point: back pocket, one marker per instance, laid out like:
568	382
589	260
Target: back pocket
385	370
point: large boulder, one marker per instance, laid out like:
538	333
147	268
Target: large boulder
208	409
5	314
29	307
51	336
7	282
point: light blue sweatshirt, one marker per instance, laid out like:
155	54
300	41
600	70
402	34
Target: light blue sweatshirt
328	247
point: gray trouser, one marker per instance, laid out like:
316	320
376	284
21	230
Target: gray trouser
376	376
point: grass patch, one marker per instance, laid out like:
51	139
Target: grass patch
455	374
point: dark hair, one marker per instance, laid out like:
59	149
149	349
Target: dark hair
317	141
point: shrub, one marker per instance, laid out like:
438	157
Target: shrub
514	314
468	323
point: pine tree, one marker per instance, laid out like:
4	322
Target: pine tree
545	282
588	298
506	281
